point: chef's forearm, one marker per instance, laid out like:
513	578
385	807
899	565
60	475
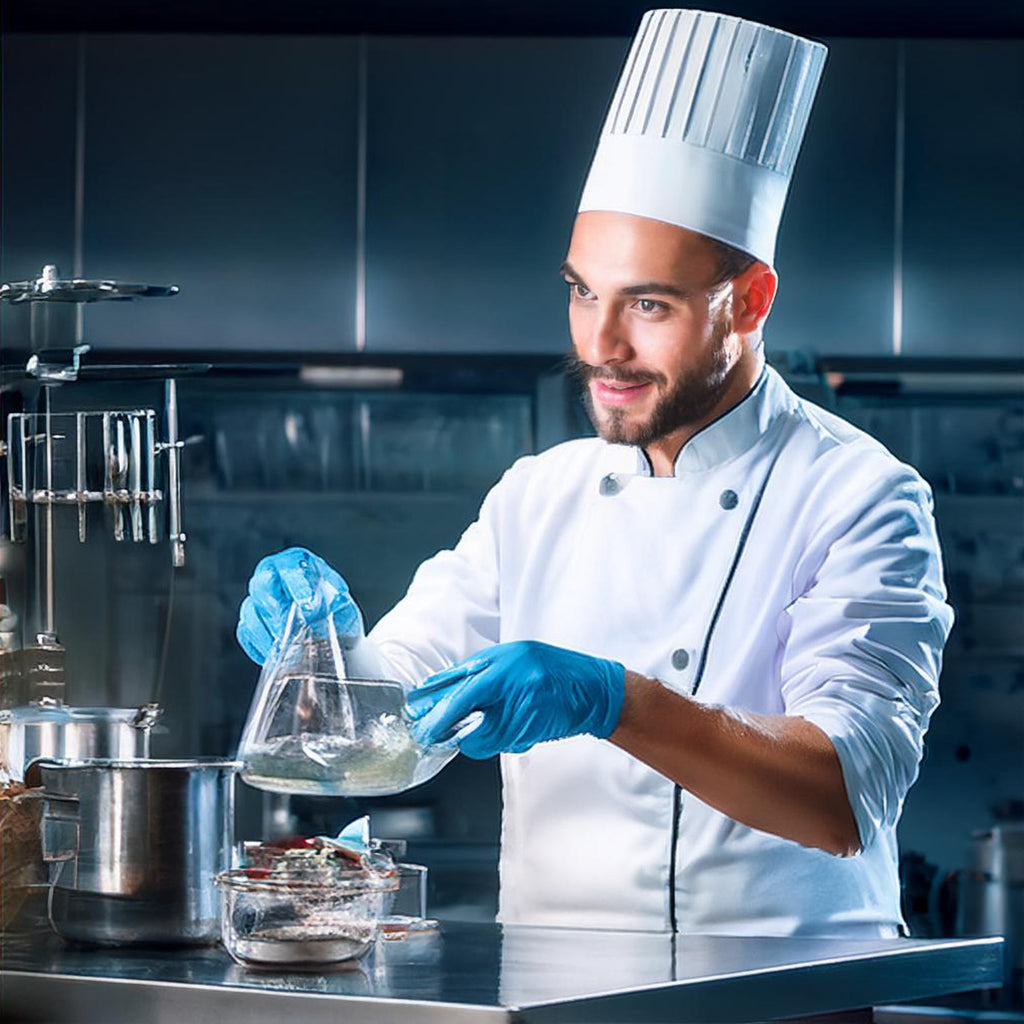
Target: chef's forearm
776	773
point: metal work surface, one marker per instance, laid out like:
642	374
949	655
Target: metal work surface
491	973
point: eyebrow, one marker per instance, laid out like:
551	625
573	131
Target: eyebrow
644	288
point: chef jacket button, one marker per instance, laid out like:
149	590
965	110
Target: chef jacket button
610	484
728	499
680	659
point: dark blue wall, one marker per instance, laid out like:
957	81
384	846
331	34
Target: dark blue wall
416	194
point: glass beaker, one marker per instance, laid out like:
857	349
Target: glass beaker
313	730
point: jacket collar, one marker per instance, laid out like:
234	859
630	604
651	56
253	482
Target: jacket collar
732	434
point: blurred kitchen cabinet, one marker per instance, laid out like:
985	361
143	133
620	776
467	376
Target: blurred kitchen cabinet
476	154
225	165
964	227
835	250
37	220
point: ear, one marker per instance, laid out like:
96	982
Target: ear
753	293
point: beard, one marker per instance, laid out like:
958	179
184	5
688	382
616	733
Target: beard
684	402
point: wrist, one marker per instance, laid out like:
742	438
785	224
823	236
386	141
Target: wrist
641	695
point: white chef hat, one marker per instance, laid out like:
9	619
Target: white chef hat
705	126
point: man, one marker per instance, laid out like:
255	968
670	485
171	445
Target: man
707	643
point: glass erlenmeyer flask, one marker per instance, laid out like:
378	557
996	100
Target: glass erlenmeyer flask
313	730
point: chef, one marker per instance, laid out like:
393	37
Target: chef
705	643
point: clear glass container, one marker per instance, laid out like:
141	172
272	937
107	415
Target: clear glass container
301	917
404	909
312	730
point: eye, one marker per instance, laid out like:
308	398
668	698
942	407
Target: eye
650	306
579	291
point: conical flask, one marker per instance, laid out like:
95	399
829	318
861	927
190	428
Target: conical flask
313	730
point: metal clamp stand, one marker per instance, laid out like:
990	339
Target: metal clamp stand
75	459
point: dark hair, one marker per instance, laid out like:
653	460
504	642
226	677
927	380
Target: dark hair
730	262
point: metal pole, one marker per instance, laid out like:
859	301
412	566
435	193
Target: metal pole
174	476
136	476
151	476
48	513
80	482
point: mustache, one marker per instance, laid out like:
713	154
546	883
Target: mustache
585	373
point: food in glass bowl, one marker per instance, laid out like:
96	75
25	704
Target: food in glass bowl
305	902
342	854
301	917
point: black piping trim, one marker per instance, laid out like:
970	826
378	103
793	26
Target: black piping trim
677	813
718	419
677	791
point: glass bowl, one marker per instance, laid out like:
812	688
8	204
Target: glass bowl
318	734
300	918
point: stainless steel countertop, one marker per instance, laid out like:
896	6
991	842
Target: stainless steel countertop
478	972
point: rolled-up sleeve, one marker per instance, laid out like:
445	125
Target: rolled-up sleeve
863	638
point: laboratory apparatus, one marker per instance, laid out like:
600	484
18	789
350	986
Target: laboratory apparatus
117	465
312	729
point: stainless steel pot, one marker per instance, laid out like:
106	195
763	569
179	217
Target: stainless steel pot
991	898
48	728
135	846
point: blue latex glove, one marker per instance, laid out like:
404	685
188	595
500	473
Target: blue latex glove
528	692
295	576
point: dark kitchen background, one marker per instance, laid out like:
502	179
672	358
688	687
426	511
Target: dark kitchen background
365	211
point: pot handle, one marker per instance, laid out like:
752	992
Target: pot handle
147	716
33	774
59	831
59	822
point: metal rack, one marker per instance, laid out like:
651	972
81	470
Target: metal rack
61	463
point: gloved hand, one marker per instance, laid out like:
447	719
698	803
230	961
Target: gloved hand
300	577
528	692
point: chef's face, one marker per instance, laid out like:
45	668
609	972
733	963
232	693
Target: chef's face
652	331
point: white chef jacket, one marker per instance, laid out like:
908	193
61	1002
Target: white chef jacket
790	566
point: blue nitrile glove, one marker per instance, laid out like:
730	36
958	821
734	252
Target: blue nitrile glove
299	577
528	692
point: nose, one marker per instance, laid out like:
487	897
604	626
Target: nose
601	339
